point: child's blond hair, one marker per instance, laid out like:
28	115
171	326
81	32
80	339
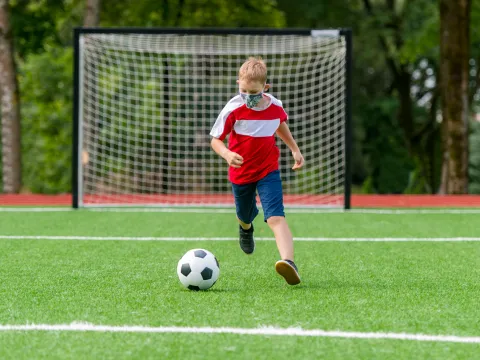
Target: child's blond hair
254	69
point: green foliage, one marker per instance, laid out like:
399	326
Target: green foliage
46	97
381	162
421	31
474	164
45	71
192	13
396	34
386	157
37	24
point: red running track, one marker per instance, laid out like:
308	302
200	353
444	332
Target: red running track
357	201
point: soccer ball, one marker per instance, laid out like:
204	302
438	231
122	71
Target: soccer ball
198	269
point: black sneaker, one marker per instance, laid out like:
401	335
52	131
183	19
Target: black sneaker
247	244
288	270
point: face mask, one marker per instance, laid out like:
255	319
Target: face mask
251	100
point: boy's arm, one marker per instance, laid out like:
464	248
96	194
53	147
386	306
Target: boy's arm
284	133
233	159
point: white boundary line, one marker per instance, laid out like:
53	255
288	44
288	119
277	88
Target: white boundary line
34	209
264	331
414	211
232	210
293	211
151	238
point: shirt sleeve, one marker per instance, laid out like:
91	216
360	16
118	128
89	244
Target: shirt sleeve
224	124
283	115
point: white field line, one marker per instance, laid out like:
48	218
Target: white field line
296	211
35	209
263	331
414	211
151	238
232	211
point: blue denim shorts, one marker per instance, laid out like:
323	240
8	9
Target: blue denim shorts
271	196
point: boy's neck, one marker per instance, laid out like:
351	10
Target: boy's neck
264	102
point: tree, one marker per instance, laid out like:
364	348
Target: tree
42	31
10	107
92	13
404	156
192	13
454	63
39	24
413	80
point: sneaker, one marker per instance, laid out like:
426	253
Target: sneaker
288	270
247	244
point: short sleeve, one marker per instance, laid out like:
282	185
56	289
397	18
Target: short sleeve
224	124
283	115
226	119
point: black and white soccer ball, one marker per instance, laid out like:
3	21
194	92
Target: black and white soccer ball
198	269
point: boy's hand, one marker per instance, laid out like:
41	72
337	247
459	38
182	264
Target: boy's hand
233	159
299	161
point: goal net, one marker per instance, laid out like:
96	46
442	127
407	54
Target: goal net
146	102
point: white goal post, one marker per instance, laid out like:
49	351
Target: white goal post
145	100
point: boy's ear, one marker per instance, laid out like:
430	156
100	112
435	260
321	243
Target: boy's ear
267	86
238	81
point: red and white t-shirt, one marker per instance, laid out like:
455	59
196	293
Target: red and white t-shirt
251	136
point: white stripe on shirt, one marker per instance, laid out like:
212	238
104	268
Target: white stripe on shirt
256	128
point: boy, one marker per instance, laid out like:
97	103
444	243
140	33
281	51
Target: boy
252	118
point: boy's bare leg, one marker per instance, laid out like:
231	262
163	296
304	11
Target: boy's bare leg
283	236
285	267
244	225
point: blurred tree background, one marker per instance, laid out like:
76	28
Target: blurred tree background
396	110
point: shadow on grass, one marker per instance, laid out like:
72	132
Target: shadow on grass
211	290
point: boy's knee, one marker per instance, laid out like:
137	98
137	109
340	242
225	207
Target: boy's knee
275	220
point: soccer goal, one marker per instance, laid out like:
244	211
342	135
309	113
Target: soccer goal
146	100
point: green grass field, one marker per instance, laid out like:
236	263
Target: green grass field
413	287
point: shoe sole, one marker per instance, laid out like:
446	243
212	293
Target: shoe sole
248	253
288	272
